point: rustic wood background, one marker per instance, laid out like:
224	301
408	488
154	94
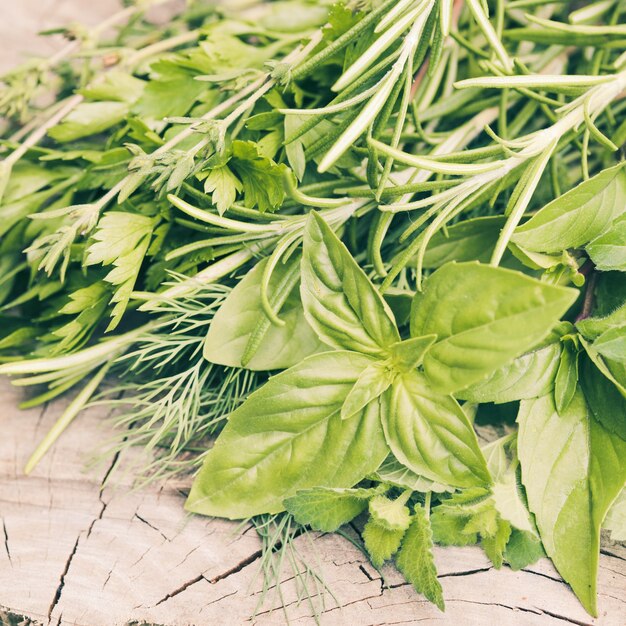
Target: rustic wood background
73	552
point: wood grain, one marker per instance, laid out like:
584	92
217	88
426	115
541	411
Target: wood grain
73	552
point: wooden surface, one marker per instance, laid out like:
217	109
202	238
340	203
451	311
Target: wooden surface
72	552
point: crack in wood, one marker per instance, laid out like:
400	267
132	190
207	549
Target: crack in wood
556	579
535	611
6	540
468	572
200	577
180	589
59	589
237	568
569	620
147	523
607	552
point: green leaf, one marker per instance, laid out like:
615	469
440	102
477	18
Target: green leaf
115	85
431	435
450	520
223	185
523	549
566	377
88	304
608	251
578	216
505	491
615	520
340	302
89	118
572	469
390	514
606	366
380	542
241	321
528	376
592	327
261	178
169	96
415	559
398	475
295	149
483	317
470	240
605	402
494	545
408	354
121	240
372	383
611	344
326	509
289	436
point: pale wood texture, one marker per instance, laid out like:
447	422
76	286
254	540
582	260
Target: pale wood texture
74	553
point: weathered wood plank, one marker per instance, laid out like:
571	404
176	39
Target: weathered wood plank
73	553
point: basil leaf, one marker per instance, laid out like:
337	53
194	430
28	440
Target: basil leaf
578	216
606	366
415	559
340	302
605	402
241	317
495	544
572	469
566	377
431	435
505	490
398	475
611	344
471	240
608	251
483	317
528	376
615	520
373	382
326	509
451	519
592	327
287	436
408	354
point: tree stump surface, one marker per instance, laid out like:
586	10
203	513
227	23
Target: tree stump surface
73	552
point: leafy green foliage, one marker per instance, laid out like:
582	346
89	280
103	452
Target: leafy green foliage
241	327
339	301
415	559
608	251
327	509
475	340
380	542
578	216
122	240
431	435
572	469
261	178
293	424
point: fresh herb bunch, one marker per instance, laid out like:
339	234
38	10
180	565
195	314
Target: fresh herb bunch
415	208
